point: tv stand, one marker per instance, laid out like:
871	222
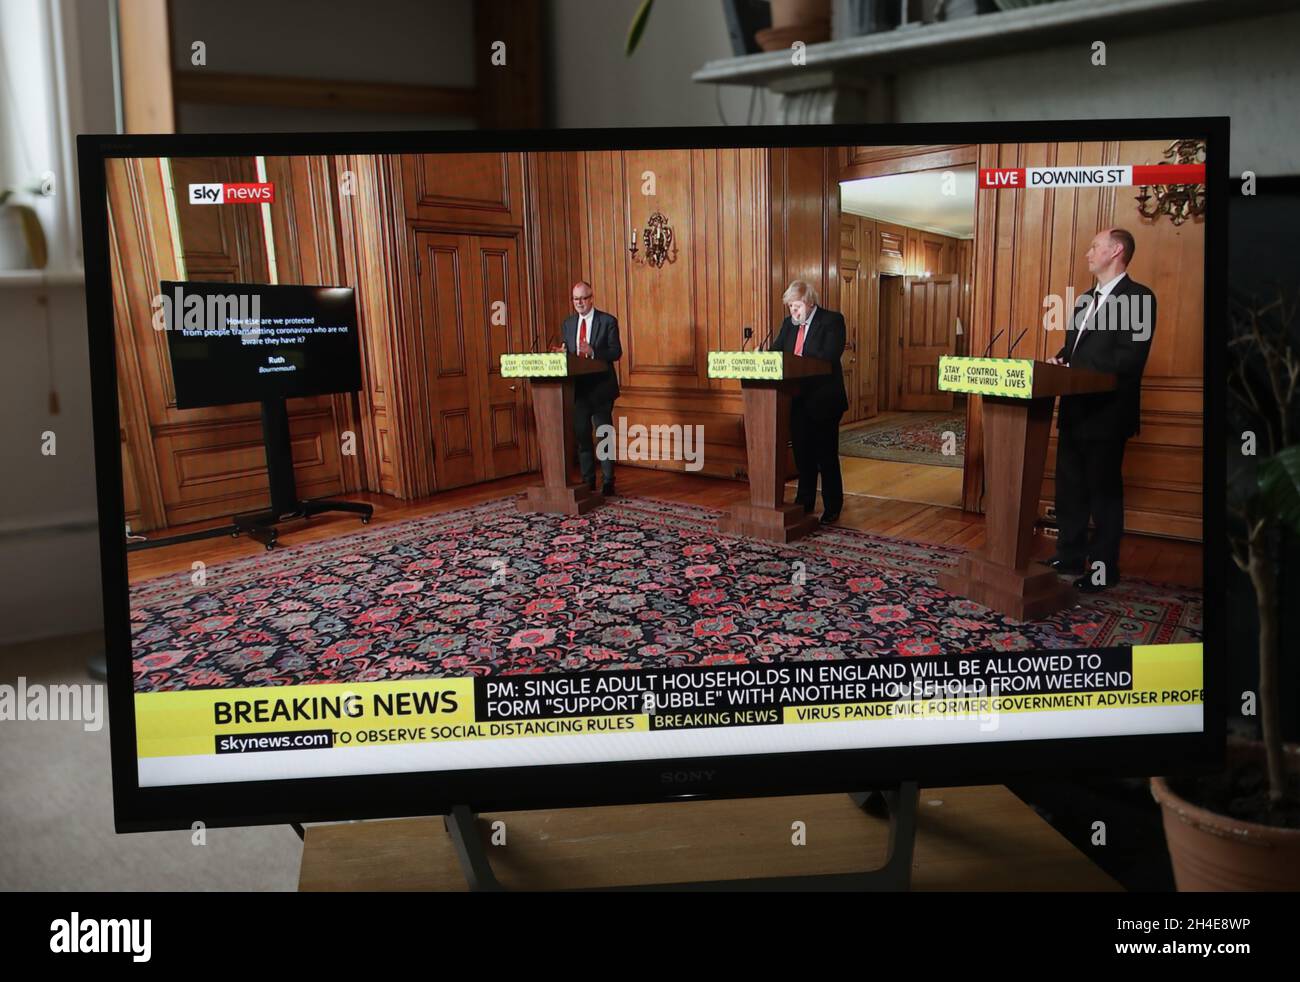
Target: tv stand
897	804
285	503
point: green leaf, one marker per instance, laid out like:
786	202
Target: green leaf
1279	486
637	27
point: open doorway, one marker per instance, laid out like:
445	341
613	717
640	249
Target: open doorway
906	262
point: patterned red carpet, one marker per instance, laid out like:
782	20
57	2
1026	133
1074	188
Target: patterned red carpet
916	438
638	583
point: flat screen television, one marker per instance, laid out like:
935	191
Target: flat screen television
484	656
242	342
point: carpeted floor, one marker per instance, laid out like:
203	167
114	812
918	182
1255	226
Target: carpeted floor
913	438
639	583
56	806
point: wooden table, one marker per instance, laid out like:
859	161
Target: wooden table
981	838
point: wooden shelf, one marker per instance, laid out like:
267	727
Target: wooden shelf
316	93
984	36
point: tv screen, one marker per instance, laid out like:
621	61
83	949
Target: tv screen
240	342
604	578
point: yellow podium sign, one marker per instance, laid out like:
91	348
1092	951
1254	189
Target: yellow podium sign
535	364
766	365
1007	377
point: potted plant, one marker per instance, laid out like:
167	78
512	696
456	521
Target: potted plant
808	21
1240	829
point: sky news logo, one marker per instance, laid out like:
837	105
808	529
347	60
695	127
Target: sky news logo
232	194
1118	176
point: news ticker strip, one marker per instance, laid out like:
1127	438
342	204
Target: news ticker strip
206	721
1102	176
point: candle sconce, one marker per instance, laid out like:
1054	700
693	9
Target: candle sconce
1179	201
660	244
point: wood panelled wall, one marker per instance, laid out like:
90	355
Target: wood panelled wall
184	465
435	247
370	206
1029	244
805	221
745	222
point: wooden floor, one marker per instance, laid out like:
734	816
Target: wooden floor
925	483
922	483
1141	557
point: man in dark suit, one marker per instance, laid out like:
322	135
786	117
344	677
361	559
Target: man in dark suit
592	333
815	332
1111	331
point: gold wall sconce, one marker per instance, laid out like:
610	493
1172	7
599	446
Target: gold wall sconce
1179	201
660	244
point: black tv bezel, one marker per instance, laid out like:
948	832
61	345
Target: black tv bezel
315	390
628	782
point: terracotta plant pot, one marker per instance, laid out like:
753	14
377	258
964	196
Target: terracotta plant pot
808	21
1215	852
791	13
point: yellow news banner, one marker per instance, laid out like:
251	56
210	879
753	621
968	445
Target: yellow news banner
174	724
1163	675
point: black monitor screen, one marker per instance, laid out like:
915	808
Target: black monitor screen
244	342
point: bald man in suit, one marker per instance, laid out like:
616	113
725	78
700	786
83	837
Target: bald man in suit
1111	331
592	333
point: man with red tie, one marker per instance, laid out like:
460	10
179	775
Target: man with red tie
592	333
815	411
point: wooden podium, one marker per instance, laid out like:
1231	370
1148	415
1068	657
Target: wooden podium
1019	394
768	380
552	375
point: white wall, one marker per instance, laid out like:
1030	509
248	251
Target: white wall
593	84
410	42
49	556
1247	69
49	552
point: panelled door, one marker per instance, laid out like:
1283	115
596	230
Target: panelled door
472	311
851	307
929	331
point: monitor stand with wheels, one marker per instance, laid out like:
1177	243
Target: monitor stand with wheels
897	804
285	503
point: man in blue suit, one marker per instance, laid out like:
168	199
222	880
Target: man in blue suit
592	333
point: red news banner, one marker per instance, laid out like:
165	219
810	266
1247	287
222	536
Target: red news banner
1118	175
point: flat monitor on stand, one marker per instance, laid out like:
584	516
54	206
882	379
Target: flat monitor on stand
233	343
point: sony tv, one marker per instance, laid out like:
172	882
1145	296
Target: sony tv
464	650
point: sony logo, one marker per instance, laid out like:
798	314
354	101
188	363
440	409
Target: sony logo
686	777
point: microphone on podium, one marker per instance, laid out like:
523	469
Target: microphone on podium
748	334
1017	340
989	349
